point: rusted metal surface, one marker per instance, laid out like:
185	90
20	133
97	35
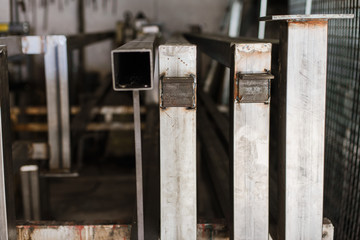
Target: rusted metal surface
73	232
178	92
253	87
38	231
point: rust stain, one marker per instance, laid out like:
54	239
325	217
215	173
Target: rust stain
319	22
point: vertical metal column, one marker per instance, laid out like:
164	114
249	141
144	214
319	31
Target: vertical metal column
30	188
7	203
300	124
250	107
57	96
177	68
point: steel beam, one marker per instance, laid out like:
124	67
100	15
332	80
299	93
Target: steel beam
249	134
133	64
250	64
177	68
299	124
57	96
7	201
84	39
218	47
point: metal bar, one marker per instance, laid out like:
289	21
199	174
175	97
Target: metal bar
30	187
249	134
218	47
7	201
57	94
299	124
250	62
133	64
84	39
177	59
138	160
263	8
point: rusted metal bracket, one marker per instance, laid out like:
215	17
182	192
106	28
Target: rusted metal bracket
178	91
253	87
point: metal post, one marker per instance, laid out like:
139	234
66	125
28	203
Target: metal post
30	187
250	64
57	93
249	134
300	124
7	203
138	162
178	139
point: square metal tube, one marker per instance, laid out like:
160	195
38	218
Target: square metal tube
299	124
177	59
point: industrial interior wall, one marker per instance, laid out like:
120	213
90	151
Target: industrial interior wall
342	160
60	17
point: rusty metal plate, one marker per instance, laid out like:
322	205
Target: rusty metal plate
254	91
178	92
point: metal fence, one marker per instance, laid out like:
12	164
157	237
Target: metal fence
342	161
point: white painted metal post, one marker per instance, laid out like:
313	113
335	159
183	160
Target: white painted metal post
7	203
57	96
177	68
250	136
300	124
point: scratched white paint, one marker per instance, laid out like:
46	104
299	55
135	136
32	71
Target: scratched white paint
178	150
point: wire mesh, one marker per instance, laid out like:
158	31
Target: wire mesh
342	170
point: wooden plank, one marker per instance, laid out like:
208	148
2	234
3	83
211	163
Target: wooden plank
250	148
178	149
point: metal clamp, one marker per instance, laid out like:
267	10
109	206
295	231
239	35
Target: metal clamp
178	91
252	87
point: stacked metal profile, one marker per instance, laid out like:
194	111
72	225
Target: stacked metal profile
342	160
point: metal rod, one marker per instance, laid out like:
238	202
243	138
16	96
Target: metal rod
139	172
133	64
299	124
7	201
177	66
